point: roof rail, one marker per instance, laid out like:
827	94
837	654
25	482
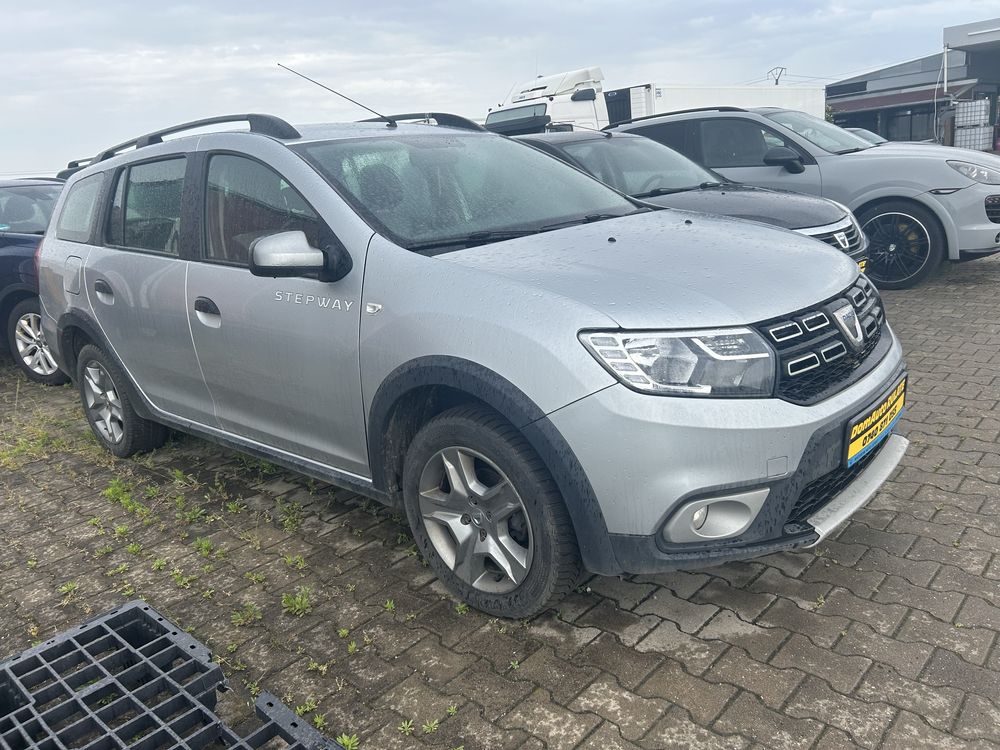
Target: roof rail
263	124
675	112
442	118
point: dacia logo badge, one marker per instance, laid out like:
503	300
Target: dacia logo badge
842	240
848	323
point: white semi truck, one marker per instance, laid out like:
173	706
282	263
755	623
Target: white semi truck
577	98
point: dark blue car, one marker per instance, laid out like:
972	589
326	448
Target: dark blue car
25	209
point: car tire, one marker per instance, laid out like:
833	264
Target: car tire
486	514
905	244
109	409
27	344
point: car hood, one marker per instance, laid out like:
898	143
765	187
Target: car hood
672	269
779	208
927	151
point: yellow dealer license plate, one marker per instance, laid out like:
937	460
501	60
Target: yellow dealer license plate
866	431
863	265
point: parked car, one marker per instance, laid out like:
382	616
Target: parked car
25	209
544	374
650	171
918	204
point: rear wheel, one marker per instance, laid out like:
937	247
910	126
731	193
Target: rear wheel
27	344
486	514
906	244
108	408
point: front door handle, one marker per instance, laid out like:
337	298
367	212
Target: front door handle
207	312
207	306
104	292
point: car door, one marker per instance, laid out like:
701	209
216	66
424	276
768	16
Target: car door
735	147
280	356
134	280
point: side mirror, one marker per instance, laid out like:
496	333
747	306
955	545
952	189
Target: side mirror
782	156
289	254
584	95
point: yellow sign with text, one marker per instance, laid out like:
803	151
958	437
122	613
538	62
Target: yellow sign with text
871	428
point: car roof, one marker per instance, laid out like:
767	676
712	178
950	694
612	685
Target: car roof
31	182
566	136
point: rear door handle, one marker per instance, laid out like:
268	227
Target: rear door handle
207	306
104	292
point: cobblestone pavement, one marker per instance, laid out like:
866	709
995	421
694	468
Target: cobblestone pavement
886	636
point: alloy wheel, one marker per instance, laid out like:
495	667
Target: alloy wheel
476	520
31	346
104	407
899	247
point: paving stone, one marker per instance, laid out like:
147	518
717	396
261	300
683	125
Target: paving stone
769	684
909	732
751	718
865	722
809	620
772	581
946	668
562	679
972	644
558	727
703	699
628	665
884	618
937	705
607	617
942	604
972	560
859	582
436	663
907	658
689	616
842	672
916	572
495	693
624	593
978	613
979	719
631	712
566	638
760	642
747	604
696	654
607	737
676	731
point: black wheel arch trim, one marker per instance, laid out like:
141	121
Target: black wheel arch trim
498	393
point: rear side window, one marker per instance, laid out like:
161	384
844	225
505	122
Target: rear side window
76	219
146	207
737	143
246	200
680	136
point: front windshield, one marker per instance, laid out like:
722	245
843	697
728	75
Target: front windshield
819	132
515	113
27	209
419	189
638	166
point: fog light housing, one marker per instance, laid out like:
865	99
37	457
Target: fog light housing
714	517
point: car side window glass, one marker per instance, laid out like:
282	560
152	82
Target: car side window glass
246	200
737	143
676	135
76	219
145	211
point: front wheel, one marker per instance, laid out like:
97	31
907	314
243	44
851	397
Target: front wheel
27	344
487	515
905	244
109	409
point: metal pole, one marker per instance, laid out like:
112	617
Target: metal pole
945	63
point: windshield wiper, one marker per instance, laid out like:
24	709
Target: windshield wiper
707	185
851	150
664	191
588	219
475	238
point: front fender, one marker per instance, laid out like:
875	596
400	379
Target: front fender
490	388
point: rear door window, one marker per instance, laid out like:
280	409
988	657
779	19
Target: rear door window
146	207
76	219
731	142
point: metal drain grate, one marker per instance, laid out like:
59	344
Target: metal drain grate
131	679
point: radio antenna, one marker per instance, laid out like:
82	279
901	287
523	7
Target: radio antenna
390	123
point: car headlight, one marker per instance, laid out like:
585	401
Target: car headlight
977	172
724	362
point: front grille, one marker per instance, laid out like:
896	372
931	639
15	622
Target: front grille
819	492
815	357
993	208
851	235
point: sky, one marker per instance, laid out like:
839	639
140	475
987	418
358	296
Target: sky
76	78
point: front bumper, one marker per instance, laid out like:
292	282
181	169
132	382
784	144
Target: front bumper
974	234
648	456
